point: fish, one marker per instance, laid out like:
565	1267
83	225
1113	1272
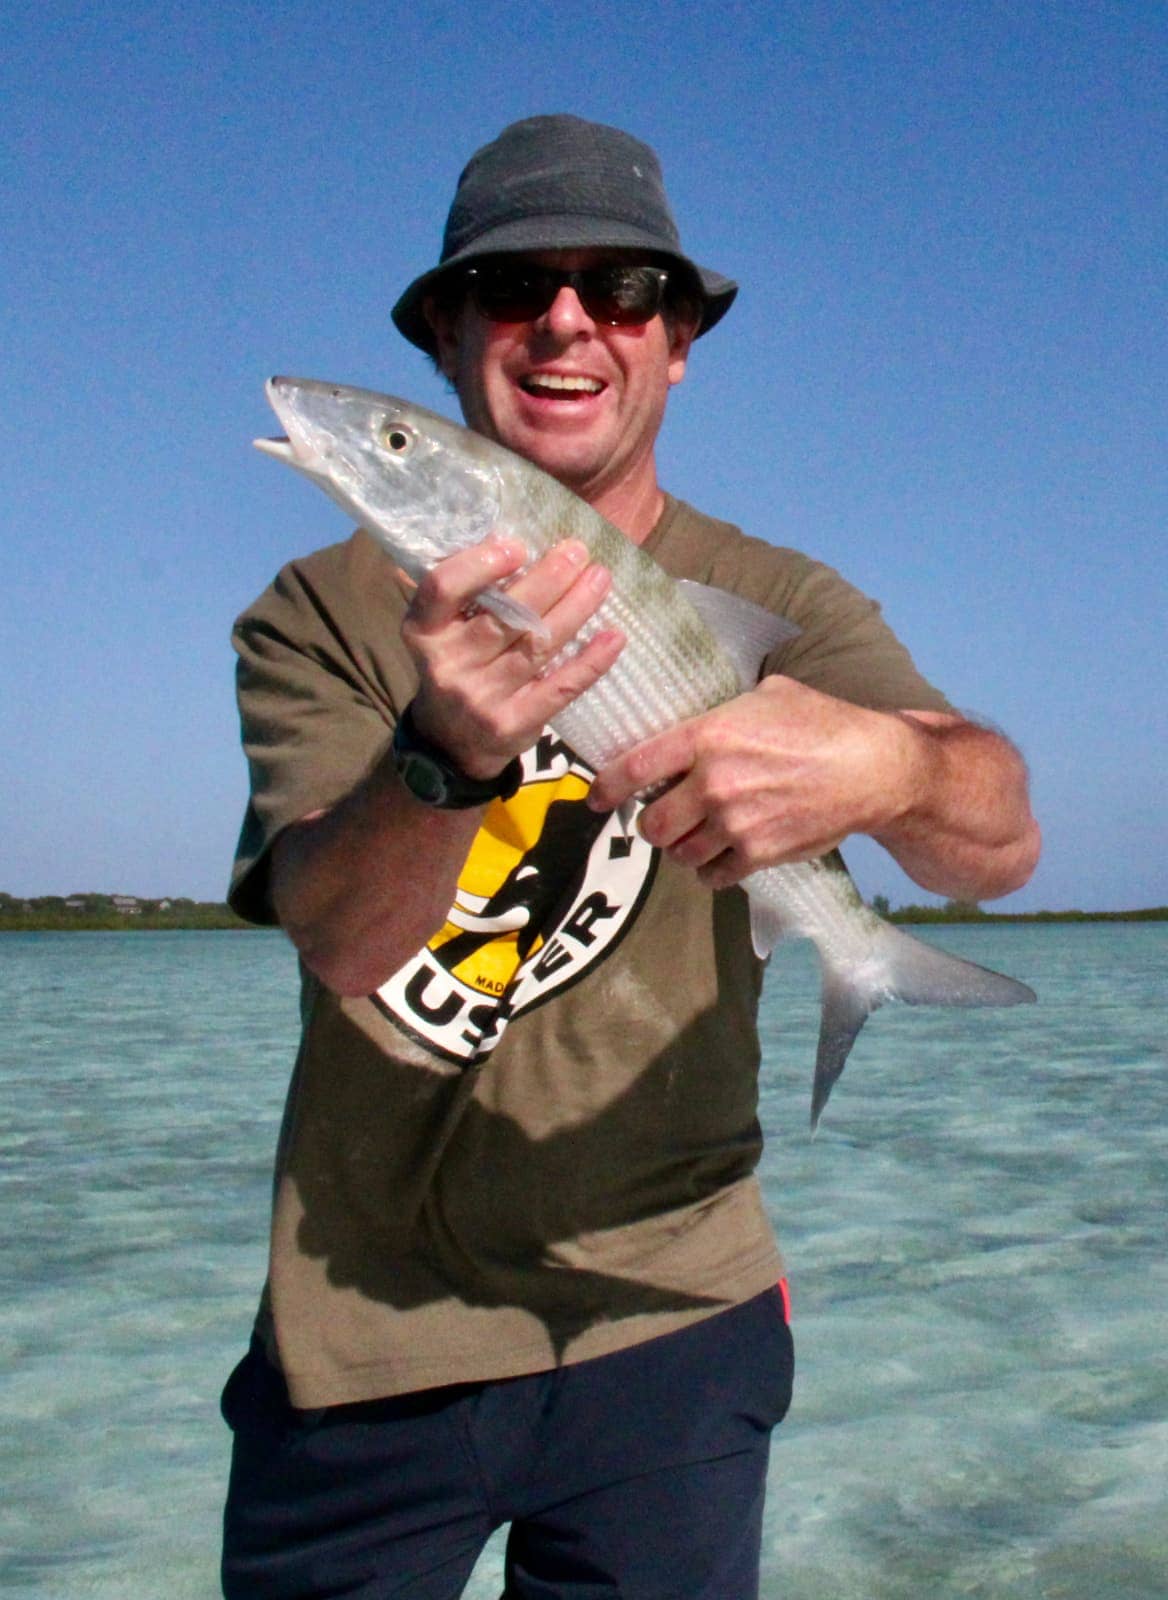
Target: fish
424	487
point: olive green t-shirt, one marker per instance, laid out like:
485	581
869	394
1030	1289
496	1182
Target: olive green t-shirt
537	1142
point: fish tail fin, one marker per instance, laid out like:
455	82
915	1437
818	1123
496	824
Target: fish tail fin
896	967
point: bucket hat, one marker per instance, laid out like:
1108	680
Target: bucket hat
559	183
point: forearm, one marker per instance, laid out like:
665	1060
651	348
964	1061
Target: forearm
361	887
964	828
785	773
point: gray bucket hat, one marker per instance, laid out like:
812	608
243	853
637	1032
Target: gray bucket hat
559	183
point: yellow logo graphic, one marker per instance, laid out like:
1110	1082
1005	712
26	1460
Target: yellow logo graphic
548	888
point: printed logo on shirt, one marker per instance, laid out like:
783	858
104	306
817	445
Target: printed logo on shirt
548	890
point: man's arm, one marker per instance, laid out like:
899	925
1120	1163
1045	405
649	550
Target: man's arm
359	888
785	773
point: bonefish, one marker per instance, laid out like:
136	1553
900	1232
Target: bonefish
424	488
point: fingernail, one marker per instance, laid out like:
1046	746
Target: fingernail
574	552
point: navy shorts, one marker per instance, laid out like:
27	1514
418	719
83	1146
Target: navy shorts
639	1475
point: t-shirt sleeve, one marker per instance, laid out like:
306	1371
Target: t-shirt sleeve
321	675
844	648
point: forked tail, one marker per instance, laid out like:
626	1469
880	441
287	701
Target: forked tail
896	967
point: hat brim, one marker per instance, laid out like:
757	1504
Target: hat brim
556	233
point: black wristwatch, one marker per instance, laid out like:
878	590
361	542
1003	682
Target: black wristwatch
431	777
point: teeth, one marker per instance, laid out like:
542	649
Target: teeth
563	383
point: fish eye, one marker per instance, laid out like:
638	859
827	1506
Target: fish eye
397	439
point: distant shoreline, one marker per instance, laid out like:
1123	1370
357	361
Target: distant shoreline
93	913
110	913
971	917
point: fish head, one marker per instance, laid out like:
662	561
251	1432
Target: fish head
419	483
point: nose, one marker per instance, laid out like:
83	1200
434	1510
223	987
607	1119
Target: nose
566	316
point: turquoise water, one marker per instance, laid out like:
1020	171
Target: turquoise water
975	1240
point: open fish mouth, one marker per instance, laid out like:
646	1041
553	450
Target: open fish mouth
279	448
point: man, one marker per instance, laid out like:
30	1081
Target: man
520	1271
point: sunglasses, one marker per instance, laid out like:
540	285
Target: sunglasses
618	294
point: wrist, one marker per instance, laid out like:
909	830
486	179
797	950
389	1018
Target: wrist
911	772
435	778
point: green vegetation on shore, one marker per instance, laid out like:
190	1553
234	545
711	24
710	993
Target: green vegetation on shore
962	911
79	913
82	913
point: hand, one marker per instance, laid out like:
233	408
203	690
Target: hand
486	689
781	773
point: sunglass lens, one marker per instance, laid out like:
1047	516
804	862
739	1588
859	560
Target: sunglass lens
622	295
511	292
619	294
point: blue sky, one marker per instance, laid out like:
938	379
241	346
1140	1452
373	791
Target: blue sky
945	373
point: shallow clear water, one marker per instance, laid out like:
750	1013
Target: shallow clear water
974	1241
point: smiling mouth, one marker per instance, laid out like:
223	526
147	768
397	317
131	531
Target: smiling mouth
559	386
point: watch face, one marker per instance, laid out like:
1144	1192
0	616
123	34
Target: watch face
423	777
435	782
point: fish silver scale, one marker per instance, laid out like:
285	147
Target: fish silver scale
671	666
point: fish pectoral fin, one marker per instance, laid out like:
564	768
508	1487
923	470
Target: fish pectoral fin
766	927
513	613
626	814
746	632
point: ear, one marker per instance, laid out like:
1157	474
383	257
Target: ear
681	336
444	322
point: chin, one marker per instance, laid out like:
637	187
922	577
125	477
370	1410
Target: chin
580	477
551	454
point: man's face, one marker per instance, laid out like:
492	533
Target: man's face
582	400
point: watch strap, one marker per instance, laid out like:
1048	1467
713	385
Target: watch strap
434	779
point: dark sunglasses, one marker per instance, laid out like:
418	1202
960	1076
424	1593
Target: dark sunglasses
618	294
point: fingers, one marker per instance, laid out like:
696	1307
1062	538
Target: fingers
486	688
444	593
550	691
550	578
677	821
732	801
563	588
646	767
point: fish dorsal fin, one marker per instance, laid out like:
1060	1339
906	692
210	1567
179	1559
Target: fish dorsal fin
746	632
